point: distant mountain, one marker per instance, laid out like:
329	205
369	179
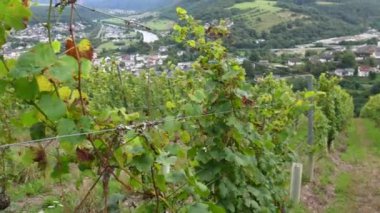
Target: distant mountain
139	5
284	23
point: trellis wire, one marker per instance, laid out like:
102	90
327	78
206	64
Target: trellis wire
142	126
129	23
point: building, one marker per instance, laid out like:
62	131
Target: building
185	65
363	71
294	62
327	57
344	72
365	51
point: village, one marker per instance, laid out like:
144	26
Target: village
364	47
363	50
21	41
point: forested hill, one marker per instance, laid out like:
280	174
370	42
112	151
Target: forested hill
284	23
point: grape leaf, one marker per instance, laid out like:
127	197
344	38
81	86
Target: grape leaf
29	118
64	69
26	89
44	84
14	13
61	167
198	208
68	127
143	162
56	46
33	62
52	106
86	66
38	131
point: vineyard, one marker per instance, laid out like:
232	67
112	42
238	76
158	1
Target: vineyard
95	139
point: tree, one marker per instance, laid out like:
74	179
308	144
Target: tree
309	53
375	89
249	70
372	76
255	56
370	62
347	60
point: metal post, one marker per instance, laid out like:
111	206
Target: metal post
310	133
296	182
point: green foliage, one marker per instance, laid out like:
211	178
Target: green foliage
14	15
221	143
371	109
337	106
347	60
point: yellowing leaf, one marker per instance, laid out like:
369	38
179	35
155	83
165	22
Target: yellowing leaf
170	105
64	93
75	95
132	116
84	45
185	137
44	84
56	46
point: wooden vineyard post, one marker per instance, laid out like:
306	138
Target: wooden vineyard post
296	182
310	134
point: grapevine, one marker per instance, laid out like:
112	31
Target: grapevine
204	140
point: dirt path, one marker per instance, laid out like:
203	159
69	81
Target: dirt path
348	180
364	187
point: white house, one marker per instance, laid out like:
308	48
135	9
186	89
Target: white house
294	62
344	72
363	71
185	65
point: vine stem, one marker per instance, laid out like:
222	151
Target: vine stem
155	189
71	29
60	177
106	179
3	179
38	108
48	26
89	191
5	64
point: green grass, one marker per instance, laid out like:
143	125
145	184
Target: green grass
342	190
111	46
355	152
31	188
328	171
362	146
373	133
263	15
159	24
258	4
326	3
343	183
114	21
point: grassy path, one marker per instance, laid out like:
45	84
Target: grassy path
357	184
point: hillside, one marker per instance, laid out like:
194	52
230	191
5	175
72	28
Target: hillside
284	23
